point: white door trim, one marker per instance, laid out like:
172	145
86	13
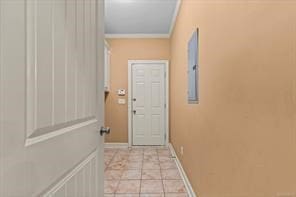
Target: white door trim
166	64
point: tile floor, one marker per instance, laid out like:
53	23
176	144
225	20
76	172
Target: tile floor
142	172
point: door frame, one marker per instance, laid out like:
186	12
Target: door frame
167	80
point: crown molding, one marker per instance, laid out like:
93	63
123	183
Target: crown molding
173	22
177	9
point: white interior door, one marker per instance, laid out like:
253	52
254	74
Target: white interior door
148	103
51	98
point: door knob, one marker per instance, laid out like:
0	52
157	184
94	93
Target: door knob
104	130
134	111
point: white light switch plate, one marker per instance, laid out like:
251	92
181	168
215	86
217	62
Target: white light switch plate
121	92
121	101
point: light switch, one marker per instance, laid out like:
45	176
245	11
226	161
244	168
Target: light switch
121	92
121	101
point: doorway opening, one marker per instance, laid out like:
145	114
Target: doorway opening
148	103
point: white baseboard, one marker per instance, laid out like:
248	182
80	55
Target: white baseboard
183	174
116	145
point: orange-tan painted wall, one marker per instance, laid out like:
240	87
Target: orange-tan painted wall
123	50
241	139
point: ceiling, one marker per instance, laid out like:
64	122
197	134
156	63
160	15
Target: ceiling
138	18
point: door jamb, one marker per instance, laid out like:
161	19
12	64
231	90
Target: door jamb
167	80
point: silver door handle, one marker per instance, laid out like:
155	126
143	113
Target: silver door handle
105	130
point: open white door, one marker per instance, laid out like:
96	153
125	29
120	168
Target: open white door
51	98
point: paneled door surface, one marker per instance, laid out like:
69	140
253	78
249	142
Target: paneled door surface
148	104
51	98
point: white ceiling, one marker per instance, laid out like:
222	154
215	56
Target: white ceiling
140	17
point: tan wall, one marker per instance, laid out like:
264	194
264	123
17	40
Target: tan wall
241	139
123	50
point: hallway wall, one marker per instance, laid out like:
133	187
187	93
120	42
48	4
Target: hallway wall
123	50
241	139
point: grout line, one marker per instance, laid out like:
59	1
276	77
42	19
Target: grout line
141	179
111	160
107	168
141	172
161	175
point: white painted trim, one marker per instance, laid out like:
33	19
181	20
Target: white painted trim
178	5
137	36
47	136
129	109
167	93
71	174
107	44
116	145
167	98
188	186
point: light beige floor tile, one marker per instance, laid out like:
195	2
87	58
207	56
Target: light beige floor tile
127	164
151	186
107	161
150	158
150	148
151	175
163	158
127	195
107	156
110	150
113	174
150	152
117	165
161	147
164	152
135	158
110	186
134	165
131	174
154	165
120	158
136	152
123	151
172	174
151	195
174	186
176	195
168	165
128	187
106	164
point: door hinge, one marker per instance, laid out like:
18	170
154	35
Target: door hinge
165	105
164	74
